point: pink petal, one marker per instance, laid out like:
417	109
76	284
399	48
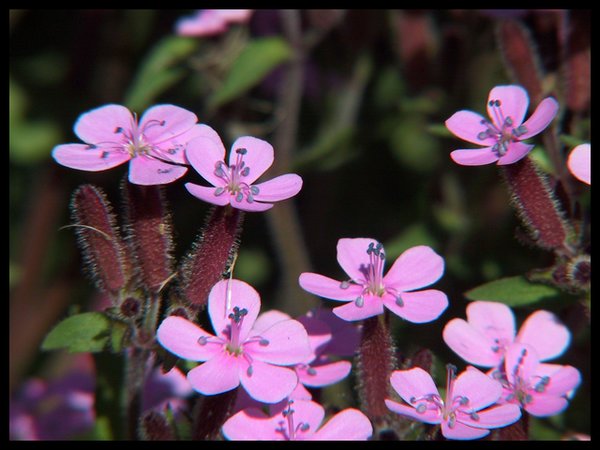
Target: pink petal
174	149
345	336
467	126
514	102
207	194
82	157
324	375
180	336
414	382
308	412
461	431
415	268
234	15
327	287
546	334
521	357
579	163
347	425
217	375
224	296
494	417
418	306
279	188
480	389
164	122
203	153
546	405
147	171
470	344
267	383
474	157
563	379
204	23
287	344
541	118
493	319
98	126
432	416
352	256
245	205
372	306
251	424
267	319
319	333
516	151
258	159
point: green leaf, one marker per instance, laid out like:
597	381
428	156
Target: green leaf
255	62
513	291
86	332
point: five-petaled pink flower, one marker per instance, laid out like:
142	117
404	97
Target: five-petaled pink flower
368	290
579	163
501	136
540	389
233	183
210	22
154	145
467	410
299	420
238	353
489	330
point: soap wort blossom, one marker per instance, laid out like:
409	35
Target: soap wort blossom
579	163
502	135
237	353
540	389
368	290
467	411
300	420
154	146
233	183
489	331
211	22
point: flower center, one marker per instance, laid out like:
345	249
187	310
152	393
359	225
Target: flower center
522	388
502	129
287	428
233	176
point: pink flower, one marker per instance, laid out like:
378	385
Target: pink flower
210	22
299	421
368	290
113	136
540	389
238	353
467	410
165	390
233	184
501	136
482	340
579	163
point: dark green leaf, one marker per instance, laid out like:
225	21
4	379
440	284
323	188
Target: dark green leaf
87	332
512	291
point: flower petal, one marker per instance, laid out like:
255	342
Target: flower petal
432	416
101	125
546	405
319	333
414	382
258	158
495	417
226	295
352	256
541	118
347	425
173	149
245	205
287	344
267	383
308	412
470	344
460	431
474	157
579	163
467	125
84	157
514	102
251	424
415	268
418	306
371	306
204	153
493	319
278	188
545	333
563	379
267	319
217	375
327	287
207	194
323	374
164	122
520	361
515	152
480	389
180	337
148	171
345	336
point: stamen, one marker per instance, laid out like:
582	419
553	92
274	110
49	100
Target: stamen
254	190
241	151
219	191
249	371
474	416
399	301
311	371
239	197
344	285
263	342
421	408
359	302
203	340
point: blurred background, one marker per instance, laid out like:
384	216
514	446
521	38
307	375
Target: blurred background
352	100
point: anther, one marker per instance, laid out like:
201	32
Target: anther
239	197
254	190
474	416
359	302
399	301
202	340
118	130
421	408
344	285
311	371
263	342
245	172
241	151
249	371
219	191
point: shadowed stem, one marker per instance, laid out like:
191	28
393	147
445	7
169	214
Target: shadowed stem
210	414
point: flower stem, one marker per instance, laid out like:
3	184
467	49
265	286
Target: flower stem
210	414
